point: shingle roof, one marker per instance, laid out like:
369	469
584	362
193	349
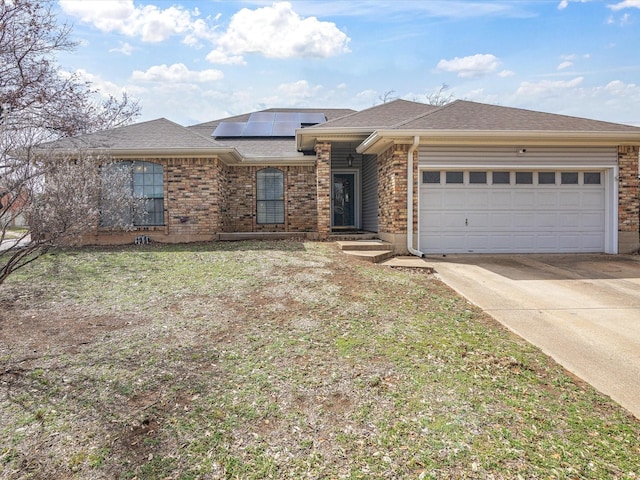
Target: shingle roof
152	135
380	116
264	147
465	115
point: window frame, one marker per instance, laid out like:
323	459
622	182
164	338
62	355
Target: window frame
269	209
152	191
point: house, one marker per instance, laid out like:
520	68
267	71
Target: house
12	207
459	178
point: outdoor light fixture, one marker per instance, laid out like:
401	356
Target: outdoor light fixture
350	160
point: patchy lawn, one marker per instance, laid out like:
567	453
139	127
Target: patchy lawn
256	360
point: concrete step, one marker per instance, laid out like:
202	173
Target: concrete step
373	256
364	245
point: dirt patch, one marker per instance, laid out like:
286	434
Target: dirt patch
64	328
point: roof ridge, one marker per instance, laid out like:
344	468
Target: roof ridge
357	112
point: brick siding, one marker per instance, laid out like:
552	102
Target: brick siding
628	200
323	189
392	190
299	201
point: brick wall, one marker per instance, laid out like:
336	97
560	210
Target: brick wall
193	198
628	197
300	200
392	190
323	189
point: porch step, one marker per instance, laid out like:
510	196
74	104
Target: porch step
373	256
369	250
364	245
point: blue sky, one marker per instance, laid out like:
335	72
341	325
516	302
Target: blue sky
195	61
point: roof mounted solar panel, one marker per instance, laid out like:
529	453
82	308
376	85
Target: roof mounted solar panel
285	129
229	129
269	124
287	117
262	117
258	129
309	118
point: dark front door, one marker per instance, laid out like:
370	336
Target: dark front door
343	200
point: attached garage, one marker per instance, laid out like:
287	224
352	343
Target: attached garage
516	200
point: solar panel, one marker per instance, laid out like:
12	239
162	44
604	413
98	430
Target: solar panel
285	129
288	117
229	129
257	129
262	117
309	118
269	124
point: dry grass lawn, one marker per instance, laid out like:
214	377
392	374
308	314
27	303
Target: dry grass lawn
256	360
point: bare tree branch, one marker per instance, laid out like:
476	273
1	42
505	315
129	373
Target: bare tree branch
60	196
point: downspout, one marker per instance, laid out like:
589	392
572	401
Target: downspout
413	251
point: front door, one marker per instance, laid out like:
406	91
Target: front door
343	200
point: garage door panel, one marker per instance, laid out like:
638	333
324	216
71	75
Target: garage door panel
499	199
546	220
523	199
570	199
523	219
593	242
455	219
547	199
592	220
592	199
478	242
478	218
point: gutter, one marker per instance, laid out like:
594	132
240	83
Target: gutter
412	149
380	139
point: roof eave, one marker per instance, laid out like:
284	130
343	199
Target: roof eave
306	138
381	139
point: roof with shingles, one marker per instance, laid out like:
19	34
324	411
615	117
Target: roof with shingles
380	116
155	135
466	115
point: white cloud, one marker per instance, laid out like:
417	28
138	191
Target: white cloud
472	66
506	73
219	57
299	91
125	49
149	22
565	3
624	4
547	87
278	32
565	64
176	73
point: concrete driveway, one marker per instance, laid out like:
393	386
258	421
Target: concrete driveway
582	310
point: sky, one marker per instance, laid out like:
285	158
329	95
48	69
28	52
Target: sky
197	61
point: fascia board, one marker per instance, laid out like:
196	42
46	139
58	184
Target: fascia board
307	137
382	138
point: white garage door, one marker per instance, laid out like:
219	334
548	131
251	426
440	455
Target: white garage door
512	211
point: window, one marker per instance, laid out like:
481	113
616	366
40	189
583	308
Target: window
478	177
592	178
546	178
524	178
146	183
455	177
431	177
569	178
270	195
501	178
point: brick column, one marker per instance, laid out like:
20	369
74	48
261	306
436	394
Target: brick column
323	188
628	199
